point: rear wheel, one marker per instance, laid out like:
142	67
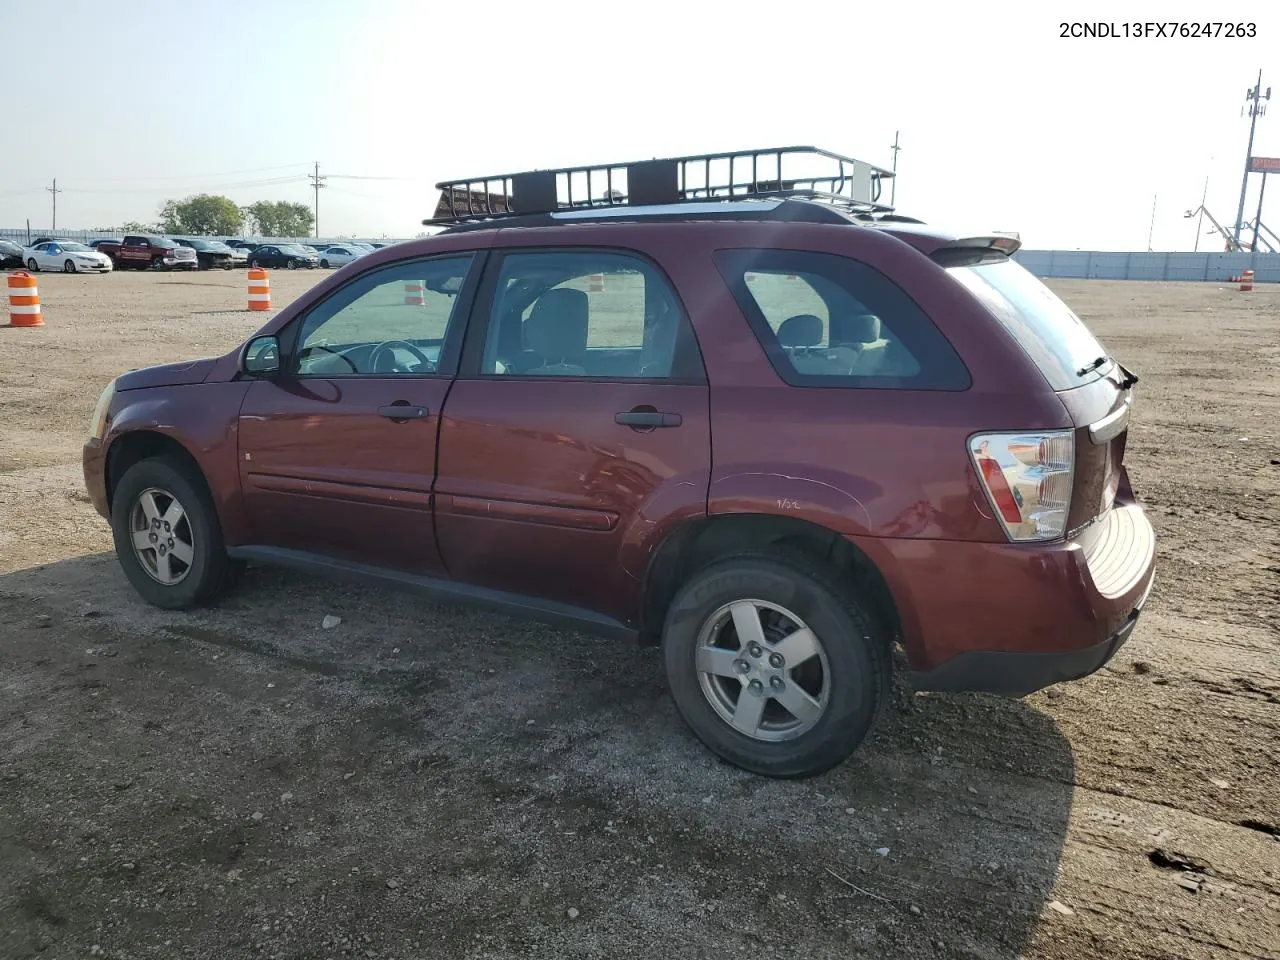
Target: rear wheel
775	663
325	264
167	536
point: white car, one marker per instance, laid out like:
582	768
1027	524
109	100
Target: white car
66	256
338	256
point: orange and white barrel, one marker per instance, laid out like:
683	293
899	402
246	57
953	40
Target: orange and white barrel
597	283
24	301
259	289
415	294
1246	281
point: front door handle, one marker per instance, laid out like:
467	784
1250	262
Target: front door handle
403	411
647	418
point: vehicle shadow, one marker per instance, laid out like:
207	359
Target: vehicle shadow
421	772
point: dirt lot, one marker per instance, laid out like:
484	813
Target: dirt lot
423	781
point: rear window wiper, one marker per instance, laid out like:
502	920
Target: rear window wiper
1089	368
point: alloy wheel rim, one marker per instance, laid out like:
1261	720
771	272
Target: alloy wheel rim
763	670
162	538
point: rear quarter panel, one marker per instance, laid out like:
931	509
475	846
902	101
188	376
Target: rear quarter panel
862	462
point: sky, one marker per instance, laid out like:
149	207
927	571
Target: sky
1004	125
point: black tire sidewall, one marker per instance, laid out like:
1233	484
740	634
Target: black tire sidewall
209	554
857	681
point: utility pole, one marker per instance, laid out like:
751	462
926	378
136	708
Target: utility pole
893	184
1257	221
1200	223
317	182
1253	100
55	191
1152	232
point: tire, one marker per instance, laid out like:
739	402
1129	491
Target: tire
253	263
157	264
325	264
33	266
209	572
203	263
848	680
289	264
69	266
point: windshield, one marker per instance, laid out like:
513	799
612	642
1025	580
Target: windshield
1046	328
75	248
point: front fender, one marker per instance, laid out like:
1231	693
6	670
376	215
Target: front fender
202	419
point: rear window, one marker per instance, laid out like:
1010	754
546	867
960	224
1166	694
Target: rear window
830	321
1047	329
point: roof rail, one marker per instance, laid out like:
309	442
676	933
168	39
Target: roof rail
810	174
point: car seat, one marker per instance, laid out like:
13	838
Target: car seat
801	337
556	334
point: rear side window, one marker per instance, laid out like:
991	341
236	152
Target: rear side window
1047	329
829	321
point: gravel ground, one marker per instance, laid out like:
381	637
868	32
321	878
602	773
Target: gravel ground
425	781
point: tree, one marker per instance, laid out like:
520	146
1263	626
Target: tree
281	218
201	214
134	226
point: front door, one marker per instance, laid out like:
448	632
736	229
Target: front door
337	457
579	423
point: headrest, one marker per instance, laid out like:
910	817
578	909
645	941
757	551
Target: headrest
856	328
557	325
802	330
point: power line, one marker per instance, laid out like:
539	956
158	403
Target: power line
201	176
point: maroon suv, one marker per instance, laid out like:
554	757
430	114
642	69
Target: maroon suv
777	429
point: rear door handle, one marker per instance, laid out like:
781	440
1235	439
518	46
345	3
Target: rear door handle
403	411
647	418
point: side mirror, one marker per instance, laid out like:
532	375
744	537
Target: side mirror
261	357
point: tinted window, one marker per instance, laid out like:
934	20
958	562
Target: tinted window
391	322
587	314
827	320
1051	334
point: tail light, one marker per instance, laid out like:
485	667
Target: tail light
1027	477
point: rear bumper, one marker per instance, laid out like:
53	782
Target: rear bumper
1011	618
1018	674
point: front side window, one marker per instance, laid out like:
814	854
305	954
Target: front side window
593	314
394	321
828	320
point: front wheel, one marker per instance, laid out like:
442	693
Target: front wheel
775	663
167	535
69	266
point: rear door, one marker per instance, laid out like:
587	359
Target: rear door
578	421
337	457
135	250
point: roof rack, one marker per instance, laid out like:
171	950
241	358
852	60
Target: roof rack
810	174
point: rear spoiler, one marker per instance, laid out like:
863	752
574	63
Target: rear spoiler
981	249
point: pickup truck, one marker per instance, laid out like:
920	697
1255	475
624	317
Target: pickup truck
149	251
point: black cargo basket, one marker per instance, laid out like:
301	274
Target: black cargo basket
795	172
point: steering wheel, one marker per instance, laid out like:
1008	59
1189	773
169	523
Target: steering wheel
388	347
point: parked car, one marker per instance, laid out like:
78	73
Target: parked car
101	240
780	436
209	253
287	255
339	256
239	244
10	254
142	252
67	256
